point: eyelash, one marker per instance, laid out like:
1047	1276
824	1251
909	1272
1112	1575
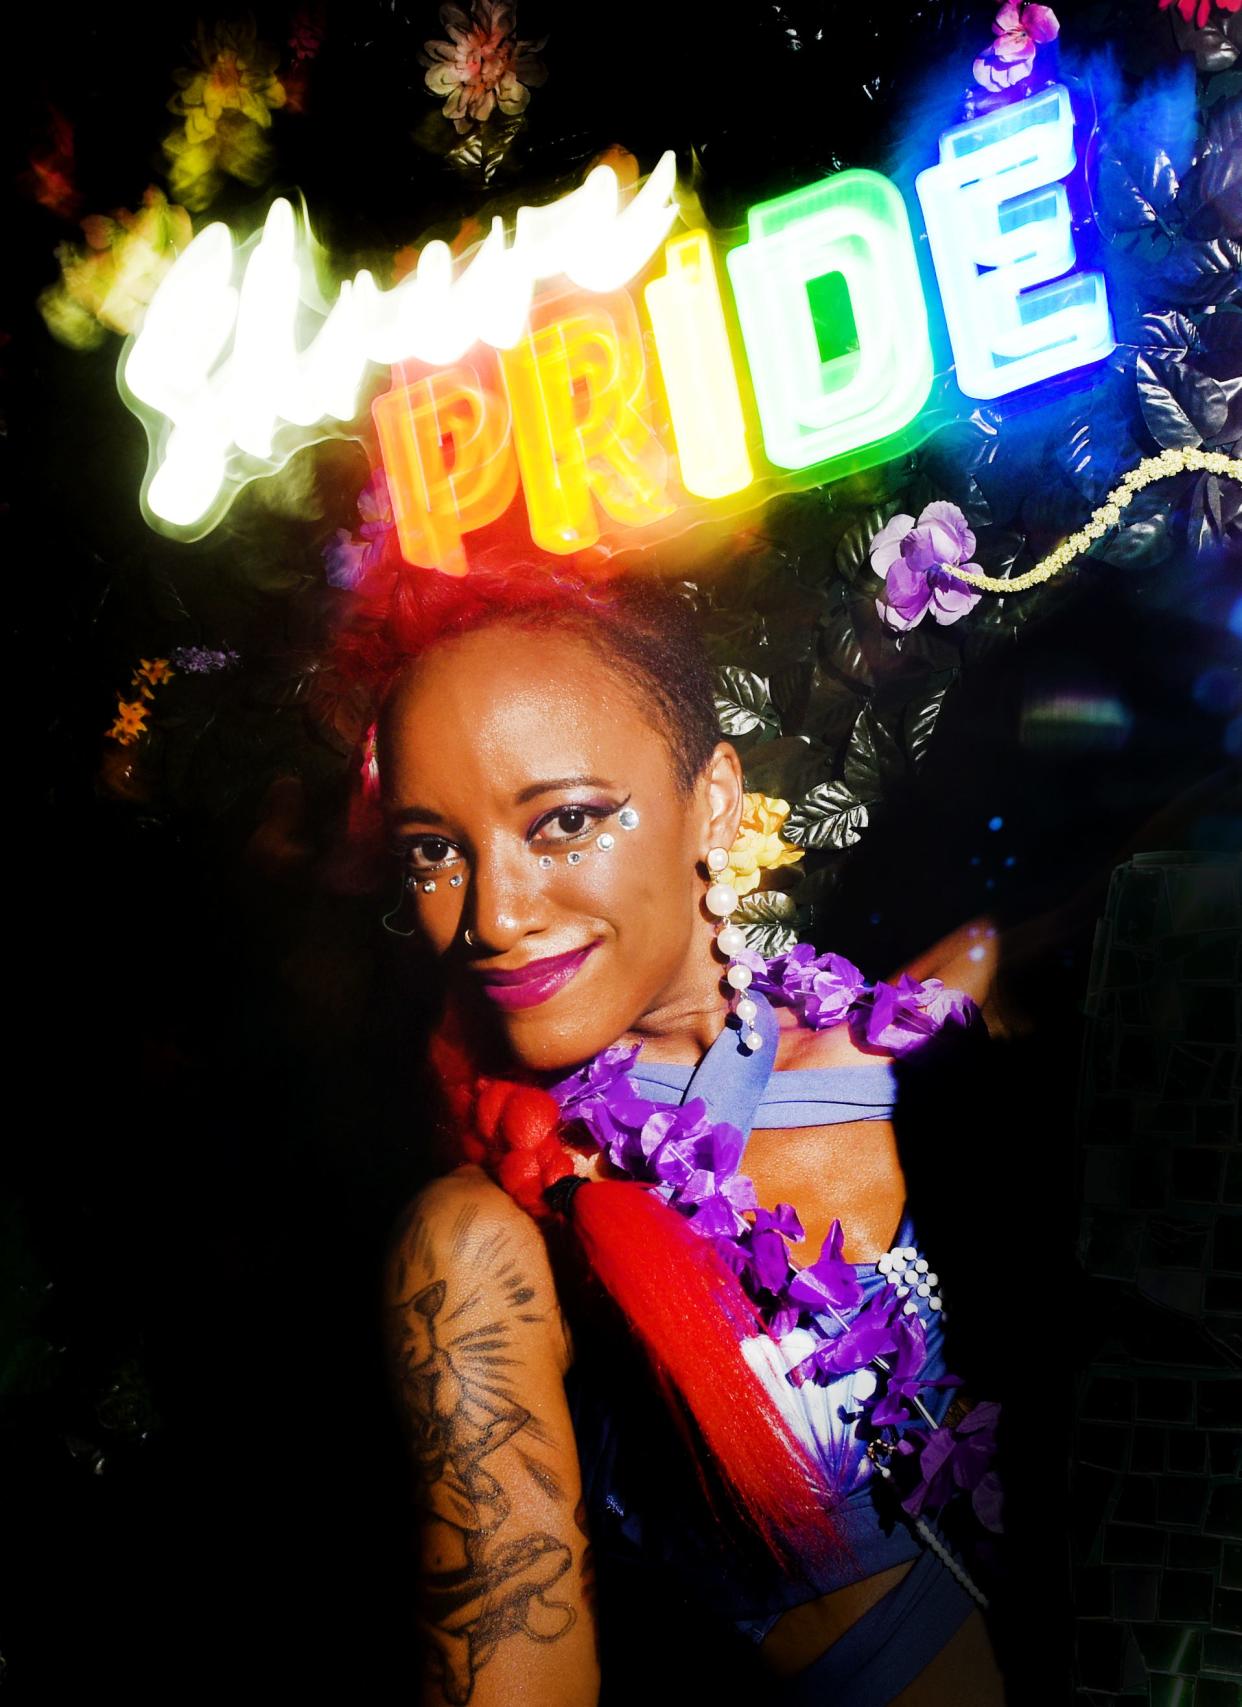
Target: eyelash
595	815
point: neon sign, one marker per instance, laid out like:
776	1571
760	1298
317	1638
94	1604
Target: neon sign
595	361
999	226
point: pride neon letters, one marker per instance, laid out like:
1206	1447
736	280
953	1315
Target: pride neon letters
595	360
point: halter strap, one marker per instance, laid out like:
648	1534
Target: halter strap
730	1078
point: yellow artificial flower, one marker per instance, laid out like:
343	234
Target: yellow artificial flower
131	721
235	73
759	847
154	670
107	285
226	102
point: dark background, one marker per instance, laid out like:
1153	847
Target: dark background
216	1059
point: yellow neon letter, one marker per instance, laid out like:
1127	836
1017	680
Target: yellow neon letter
436	499
697	367
577	387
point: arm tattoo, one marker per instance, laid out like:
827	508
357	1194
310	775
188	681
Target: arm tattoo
453	1371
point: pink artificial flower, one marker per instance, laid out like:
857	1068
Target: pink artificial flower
1019	31
1197	12
916	559
482	66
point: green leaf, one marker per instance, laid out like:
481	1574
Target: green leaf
787	767
839	646
920	720
791	685
770	919
872	758
830	816
1145	538
1181	407
1222	88
743	702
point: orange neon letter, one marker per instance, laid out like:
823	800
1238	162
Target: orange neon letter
577	386
449	461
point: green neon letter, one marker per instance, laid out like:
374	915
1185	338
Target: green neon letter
833	318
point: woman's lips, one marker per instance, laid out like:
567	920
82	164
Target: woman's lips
527	986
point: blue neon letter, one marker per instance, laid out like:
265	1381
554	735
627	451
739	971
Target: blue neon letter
999	225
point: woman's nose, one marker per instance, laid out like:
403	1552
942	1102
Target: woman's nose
505	898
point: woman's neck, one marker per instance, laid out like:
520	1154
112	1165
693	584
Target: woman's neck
687	1017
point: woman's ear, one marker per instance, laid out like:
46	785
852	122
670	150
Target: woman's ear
723	790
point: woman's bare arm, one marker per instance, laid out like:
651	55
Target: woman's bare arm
479	1355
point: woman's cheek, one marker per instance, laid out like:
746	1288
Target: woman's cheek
439	917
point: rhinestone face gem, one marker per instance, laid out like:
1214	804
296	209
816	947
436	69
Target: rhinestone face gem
575	858
607	841
429	888
627	817
455	881
545	862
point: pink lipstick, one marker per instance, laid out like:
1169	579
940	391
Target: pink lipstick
527	986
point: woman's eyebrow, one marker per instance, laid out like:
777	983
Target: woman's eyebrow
534	788
415	814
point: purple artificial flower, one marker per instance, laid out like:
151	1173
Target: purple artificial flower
616	1123
901	1017
201	660
699	1159
822	987
597	1077
348	558
961	1457
830	1280
870	1335
771	1231
904	1381
915	559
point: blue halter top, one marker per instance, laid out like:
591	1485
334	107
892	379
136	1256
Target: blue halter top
648	1522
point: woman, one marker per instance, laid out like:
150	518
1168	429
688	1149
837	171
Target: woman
553	780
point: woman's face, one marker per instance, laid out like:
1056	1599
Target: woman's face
522	780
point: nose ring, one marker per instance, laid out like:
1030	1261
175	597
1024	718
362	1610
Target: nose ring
470	939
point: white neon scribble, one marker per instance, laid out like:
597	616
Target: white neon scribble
229	388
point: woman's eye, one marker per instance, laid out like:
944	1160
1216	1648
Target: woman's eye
430	851
568	823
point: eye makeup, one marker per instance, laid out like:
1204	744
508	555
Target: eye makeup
577	822
566	829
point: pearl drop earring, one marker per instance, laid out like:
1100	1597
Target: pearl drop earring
721	901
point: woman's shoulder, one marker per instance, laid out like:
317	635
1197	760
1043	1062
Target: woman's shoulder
803	1048
963	963
800	1048
462	1234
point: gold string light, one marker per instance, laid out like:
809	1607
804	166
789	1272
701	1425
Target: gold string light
1107	516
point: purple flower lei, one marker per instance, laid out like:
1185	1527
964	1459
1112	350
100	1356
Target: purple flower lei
693	1163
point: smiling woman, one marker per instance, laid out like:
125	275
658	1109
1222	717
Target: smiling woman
554	784
516	761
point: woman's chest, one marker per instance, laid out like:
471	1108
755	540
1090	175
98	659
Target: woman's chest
849	1171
